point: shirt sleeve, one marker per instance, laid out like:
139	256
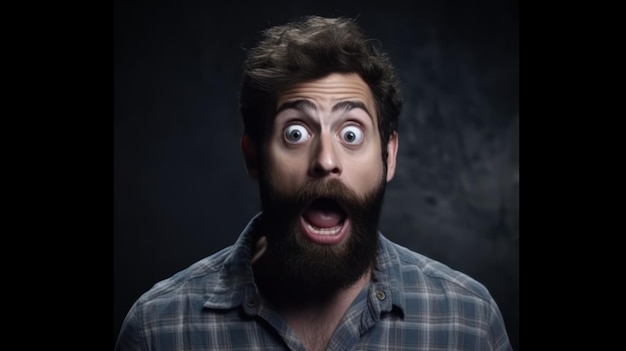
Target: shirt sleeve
130	336
498	337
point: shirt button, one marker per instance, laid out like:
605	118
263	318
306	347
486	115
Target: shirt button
380	295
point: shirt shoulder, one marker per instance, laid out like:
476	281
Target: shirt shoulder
418	273
193	280
429	292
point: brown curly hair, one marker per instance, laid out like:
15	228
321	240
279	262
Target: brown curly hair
311	48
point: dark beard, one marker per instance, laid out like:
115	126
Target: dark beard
295	272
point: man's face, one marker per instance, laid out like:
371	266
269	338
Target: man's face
322	181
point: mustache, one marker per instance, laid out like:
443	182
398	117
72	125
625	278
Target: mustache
332	189
279	203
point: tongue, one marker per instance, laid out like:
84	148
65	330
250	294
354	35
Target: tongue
322	218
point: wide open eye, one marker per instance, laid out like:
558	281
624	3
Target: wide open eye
352	135
296	134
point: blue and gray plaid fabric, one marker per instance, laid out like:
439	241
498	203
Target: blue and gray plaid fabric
412	303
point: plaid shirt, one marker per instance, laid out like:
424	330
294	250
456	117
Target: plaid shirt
412	303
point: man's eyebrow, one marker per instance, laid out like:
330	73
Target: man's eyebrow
302	105
349	105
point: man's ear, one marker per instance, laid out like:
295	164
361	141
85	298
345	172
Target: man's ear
392	152
250	156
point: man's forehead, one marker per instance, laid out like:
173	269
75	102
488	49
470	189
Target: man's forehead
335	91
309	107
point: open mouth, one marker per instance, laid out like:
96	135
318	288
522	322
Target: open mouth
324	221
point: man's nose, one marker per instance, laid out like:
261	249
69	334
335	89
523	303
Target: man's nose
325	160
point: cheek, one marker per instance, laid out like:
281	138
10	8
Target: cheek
370	159
368	173
285	170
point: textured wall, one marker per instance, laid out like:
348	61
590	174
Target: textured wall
181	192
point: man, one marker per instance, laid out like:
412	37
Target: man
311	271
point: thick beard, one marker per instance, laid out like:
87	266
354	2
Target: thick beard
297	272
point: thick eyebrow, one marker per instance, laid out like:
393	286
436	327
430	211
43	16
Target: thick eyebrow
302	105
349	105
299	105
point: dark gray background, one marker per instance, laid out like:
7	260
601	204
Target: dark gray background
180	187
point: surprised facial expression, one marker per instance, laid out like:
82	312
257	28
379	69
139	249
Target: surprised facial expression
325	130
322	182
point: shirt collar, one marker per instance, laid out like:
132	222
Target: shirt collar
387	277
236	281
